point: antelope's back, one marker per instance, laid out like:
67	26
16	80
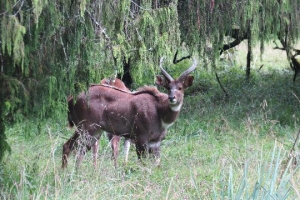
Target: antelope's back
133	113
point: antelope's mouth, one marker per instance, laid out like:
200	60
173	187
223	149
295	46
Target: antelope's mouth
173	101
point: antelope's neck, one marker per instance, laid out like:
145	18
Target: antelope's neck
169	114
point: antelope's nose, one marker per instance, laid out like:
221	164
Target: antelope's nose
172	98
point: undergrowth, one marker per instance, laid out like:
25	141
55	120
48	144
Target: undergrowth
235	146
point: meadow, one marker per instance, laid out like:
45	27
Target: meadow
240	146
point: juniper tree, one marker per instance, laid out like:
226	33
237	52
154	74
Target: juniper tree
52	49
205	23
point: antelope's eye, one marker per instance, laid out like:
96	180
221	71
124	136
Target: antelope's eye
179	88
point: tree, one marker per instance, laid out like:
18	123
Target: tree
51	49
207	22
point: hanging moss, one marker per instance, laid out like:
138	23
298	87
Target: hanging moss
12	38
202	23
38	6
53	49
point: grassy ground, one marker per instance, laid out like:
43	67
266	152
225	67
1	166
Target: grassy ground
220	147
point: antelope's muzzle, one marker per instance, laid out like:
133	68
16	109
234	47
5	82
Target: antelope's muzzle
172	99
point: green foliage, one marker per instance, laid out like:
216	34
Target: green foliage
38	6
3	143
81	42
12	38
143	37
273	177
205	23
218	148
53	49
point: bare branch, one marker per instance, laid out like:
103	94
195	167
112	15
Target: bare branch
297	52
239	37
294	63
175	61
139	6
221	85
230	45
19	10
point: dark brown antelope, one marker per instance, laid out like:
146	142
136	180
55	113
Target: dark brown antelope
143	116
115	139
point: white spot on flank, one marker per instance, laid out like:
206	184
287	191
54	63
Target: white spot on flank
165	125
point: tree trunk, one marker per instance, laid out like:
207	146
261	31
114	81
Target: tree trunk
3	143
249	54
248	66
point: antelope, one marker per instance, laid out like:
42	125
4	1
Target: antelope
115	139
142	116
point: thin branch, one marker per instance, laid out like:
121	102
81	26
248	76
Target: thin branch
221	85
296	96
175	61
297	52
64	49
260	67
230	45
102	30
19	10
295	142
239	37
3	13
294	63
139	6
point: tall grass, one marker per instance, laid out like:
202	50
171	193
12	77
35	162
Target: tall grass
235	147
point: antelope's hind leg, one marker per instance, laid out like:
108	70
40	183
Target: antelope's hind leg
68	147
126	149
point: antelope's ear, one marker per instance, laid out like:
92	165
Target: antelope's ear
188	81
160	80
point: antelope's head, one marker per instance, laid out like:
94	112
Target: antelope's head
176	87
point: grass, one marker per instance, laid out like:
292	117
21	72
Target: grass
219	148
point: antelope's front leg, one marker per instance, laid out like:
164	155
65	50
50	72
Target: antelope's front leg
154	151
95	152
141	148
